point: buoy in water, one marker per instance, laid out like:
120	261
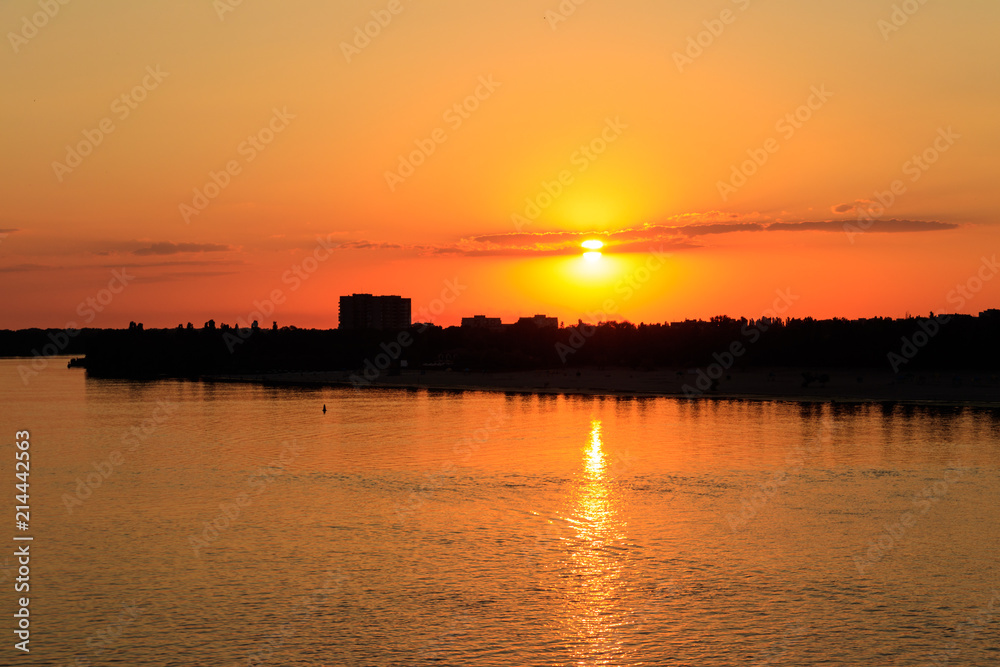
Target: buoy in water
324	408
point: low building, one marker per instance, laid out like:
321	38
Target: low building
540	321
366	311
953	316
481	322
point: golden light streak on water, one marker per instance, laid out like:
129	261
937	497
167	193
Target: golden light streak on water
596	561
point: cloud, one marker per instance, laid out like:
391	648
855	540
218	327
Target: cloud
500	251
664	245
659	236
18	268
529	238
548	243
8	231
167	248
370	245
216	266
884	226
699	230
185	275
852	207
192	262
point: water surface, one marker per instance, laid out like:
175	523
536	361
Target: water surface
243	526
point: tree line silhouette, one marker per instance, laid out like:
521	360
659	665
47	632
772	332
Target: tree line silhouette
900	345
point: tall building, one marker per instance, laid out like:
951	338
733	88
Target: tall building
364	311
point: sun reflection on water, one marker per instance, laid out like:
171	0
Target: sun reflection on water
597	559
595	457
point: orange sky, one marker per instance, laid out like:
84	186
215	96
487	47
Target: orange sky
621	121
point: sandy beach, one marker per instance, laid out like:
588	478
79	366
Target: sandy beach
838	385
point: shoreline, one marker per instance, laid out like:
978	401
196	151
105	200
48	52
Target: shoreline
958	389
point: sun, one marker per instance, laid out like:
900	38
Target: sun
593	246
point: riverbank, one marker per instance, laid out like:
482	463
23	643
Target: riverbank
836	385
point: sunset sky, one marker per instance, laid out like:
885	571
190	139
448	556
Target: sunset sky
222	152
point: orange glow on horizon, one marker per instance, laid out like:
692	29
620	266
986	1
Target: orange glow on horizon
216	166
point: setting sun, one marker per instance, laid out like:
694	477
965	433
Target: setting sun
593	246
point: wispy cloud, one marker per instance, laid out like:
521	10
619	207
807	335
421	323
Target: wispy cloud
884	226
719	228
189	262
212	266
167	248
666	235
19	268
173	276
852	207
372	245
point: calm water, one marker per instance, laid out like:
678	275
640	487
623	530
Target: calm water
242	526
